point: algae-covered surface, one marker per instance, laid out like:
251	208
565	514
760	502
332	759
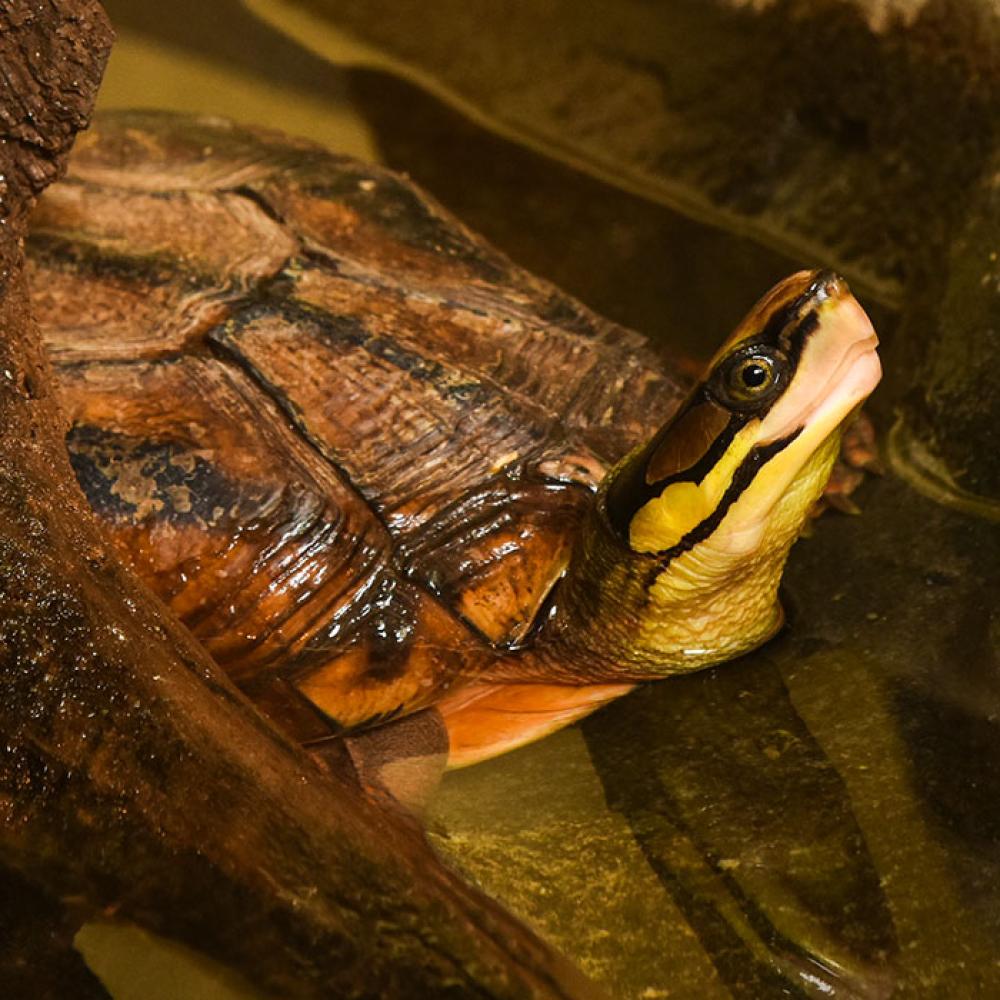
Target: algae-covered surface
821	818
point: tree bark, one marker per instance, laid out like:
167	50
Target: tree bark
134	778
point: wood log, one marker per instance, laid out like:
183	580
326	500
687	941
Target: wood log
134	778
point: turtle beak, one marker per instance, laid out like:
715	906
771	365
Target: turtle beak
837	366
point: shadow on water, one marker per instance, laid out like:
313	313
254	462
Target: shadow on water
749	827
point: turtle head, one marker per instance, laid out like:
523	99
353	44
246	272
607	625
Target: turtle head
680	564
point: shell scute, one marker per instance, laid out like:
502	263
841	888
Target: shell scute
124	274
495	554
413	432
250	538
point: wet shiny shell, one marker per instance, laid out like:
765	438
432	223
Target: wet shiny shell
344	439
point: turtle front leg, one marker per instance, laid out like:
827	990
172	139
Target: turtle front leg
401	760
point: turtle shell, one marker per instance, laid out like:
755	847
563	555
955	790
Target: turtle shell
344	439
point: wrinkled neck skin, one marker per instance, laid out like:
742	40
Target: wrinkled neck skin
619	615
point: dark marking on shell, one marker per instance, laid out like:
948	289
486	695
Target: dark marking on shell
99	261
382	619
131	480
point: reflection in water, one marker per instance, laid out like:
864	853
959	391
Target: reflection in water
831	799
890	651
955	755
749	828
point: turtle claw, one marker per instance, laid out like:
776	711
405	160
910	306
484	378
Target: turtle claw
874	465
859	449
858	457
843	503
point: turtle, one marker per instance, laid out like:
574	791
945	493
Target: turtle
419	503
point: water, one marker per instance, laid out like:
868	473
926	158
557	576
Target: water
820	818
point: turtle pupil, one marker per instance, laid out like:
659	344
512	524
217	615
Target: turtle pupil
754	375
749	378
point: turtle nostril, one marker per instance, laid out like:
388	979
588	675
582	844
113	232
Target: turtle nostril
828	284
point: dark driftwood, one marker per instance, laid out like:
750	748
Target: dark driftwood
134	779
39	47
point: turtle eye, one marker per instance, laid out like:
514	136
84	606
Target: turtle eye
751	377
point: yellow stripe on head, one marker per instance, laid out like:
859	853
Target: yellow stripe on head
662	522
